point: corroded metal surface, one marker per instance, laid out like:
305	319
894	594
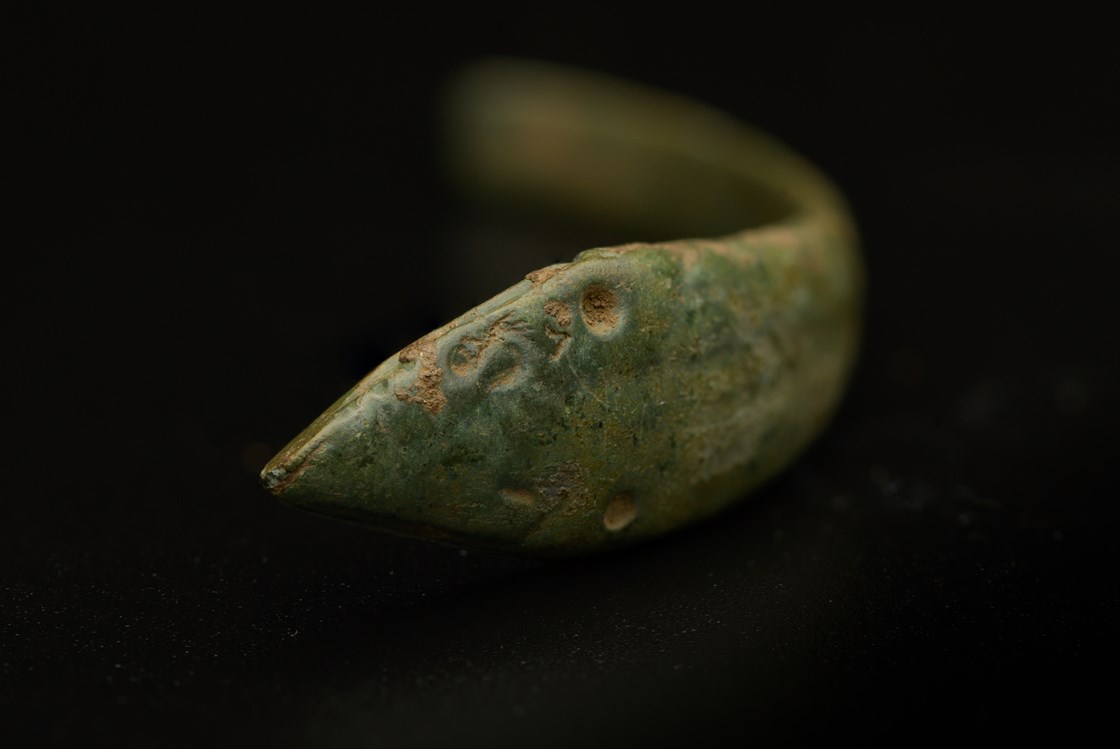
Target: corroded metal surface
627	393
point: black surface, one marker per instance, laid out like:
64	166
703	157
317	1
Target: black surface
221	223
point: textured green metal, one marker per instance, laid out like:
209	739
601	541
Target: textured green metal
632	391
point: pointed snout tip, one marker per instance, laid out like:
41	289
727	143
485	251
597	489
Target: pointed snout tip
272	477
284	471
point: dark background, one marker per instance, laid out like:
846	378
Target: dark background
219	223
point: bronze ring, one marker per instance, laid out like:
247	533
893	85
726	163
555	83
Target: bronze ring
627	393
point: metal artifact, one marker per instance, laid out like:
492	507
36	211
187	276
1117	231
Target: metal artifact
631	391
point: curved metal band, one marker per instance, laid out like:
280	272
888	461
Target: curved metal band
631	391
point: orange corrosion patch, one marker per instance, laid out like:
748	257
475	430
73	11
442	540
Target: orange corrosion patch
426	391
559	312
600	308
538	277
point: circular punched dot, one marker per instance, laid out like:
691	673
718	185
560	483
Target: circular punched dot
599	308
620	512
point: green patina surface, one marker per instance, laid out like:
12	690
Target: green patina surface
604	401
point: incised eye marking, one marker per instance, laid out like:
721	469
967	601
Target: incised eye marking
600	309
